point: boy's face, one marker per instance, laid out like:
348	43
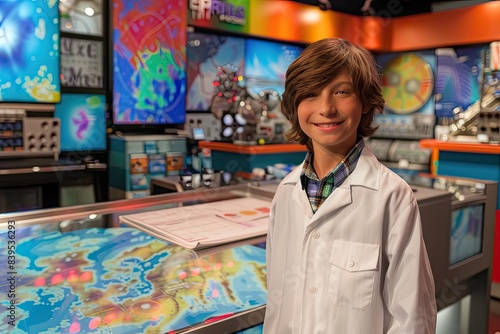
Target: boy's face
330	116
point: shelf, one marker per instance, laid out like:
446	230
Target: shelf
460	146
252	149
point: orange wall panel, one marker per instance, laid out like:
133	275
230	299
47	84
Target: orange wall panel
301	23
469	25
296	22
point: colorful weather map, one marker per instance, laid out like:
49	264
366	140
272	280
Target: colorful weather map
29	51
149	61
121	280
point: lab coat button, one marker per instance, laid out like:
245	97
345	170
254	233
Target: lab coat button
316	235
350	263
312	290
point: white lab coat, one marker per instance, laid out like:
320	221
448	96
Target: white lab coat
358	265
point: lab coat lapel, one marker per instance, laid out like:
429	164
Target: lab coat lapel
299	195
300	198
340	198
366	174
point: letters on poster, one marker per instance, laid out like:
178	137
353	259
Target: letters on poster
81	63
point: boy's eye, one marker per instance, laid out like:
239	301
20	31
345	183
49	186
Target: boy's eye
341	92
309	95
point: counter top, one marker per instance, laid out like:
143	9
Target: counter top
78	269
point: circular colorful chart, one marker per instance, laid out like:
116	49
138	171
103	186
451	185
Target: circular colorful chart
407	83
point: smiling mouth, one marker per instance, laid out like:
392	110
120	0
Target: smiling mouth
327	125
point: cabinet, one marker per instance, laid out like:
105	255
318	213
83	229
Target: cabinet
470	160
135	160
244	158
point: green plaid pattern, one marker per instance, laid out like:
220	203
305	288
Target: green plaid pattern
318	190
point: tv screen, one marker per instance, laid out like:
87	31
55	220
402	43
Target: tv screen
458	82
29	51
149	61
466	233
83	122
408	82
266	64
206	52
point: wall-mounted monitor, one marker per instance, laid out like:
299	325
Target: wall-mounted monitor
149	61
466	232
29	51
266	63
458	82
408	81
83	122
206	52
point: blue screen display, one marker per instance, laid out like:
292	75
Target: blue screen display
29	51
83	122
466	233
266	64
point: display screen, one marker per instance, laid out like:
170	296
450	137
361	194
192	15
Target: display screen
198	134
458	78
122	280
266	64
83	122
29	51
205	53
408	82
149	61
466	233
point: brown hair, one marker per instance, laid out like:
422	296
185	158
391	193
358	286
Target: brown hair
317	66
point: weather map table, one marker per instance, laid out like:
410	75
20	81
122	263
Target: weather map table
122	280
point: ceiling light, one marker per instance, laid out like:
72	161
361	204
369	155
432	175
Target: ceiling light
89	11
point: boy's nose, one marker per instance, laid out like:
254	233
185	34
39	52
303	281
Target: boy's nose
327	106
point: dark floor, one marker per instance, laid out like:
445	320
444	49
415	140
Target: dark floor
494	323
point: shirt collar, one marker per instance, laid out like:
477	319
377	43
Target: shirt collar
349	160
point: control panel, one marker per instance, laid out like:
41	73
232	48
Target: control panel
22	136
41	135
417	127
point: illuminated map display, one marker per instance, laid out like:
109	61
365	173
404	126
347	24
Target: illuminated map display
29	51
121	280
149	61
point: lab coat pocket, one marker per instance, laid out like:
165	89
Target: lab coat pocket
352	273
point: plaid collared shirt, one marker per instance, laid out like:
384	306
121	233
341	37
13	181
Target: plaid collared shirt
318	190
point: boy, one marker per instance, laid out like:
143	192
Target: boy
345	252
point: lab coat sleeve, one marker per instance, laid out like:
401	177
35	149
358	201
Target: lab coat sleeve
271	307
269	237
409	291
